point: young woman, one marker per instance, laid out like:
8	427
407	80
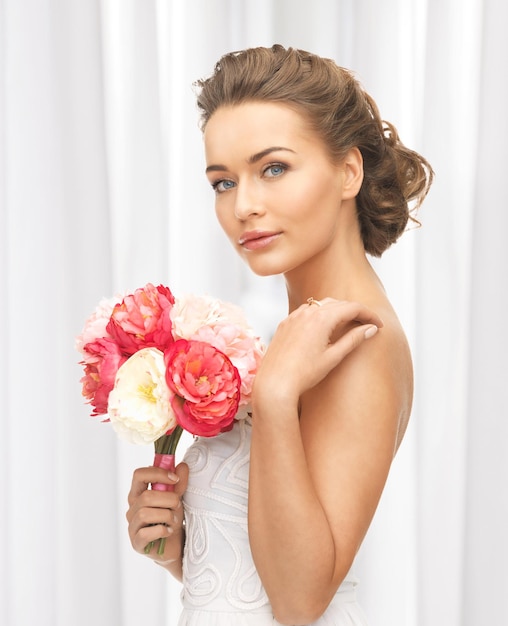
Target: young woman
307	181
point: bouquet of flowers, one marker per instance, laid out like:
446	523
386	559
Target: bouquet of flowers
155	365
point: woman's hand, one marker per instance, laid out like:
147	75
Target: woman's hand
154	515
311	341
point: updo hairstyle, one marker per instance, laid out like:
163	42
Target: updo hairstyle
396	179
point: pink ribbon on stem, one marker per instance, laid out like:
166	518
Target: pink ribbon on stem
167	462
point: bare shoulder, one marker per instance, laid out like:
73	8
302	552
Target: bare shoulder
387	363
365	402
352	424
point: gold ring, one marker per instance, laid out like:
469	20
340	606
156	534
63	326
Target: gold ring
311	301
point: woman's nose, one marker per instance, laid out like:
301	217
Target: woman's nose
248	201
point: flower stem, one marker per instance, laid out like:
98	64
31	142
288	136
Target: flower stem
164	445
167	443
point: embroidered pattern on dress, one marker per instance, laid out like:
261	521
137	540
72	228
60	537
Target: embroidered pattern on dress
216	525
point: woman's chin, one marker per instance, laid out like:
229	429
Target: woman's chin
265	269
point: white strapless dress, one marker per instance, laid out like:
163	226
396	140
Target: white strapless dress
221	585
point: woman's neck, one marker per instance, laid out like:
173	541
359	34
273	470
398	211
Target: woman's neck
342	271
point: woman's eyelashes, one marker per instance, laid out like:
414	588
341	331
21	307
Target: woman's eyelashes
273	170
220	186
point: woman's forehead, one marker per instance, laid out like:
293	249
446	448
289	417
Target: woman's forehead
256	126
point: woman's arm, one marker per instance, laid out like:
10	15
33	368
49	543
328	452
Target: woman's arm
154	515
323	439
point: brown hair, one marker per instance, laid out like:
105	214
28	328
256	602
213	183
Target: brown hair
396	179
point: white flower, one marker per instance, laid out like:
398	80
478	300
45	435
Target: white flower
139	405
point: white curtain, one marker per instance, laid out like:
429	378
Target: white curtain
102	190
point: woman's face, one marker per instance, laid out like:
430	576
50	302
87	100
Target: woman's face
278	196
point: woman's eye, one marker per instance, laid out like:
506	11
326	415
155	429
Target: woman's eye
274	170
223	185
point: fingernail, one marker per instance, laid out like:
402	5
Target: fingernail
173	476
370	332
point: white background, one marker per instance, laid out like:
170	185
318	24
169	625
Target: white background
102	190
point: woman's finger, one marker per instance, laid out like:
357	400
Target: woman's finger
346	311
143	477
154	500
351	340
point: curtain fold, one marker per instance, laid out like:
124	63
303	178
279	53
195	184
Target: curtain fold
102	189
485	549
59	542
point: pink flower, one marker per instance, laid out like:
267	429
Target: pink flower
190	313
102	361
95	325
142	320
243	349
206	384
224	326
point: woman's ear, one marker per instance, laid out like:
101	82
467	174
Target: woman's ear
352	166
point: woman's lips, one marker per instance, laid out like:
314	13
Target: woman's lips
257	239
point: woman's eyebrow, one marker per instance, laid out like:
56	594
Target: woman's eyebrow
215	168
259	155
252	159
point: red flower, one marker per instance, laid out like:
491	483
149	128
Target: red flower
206	384
142	320
101	365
